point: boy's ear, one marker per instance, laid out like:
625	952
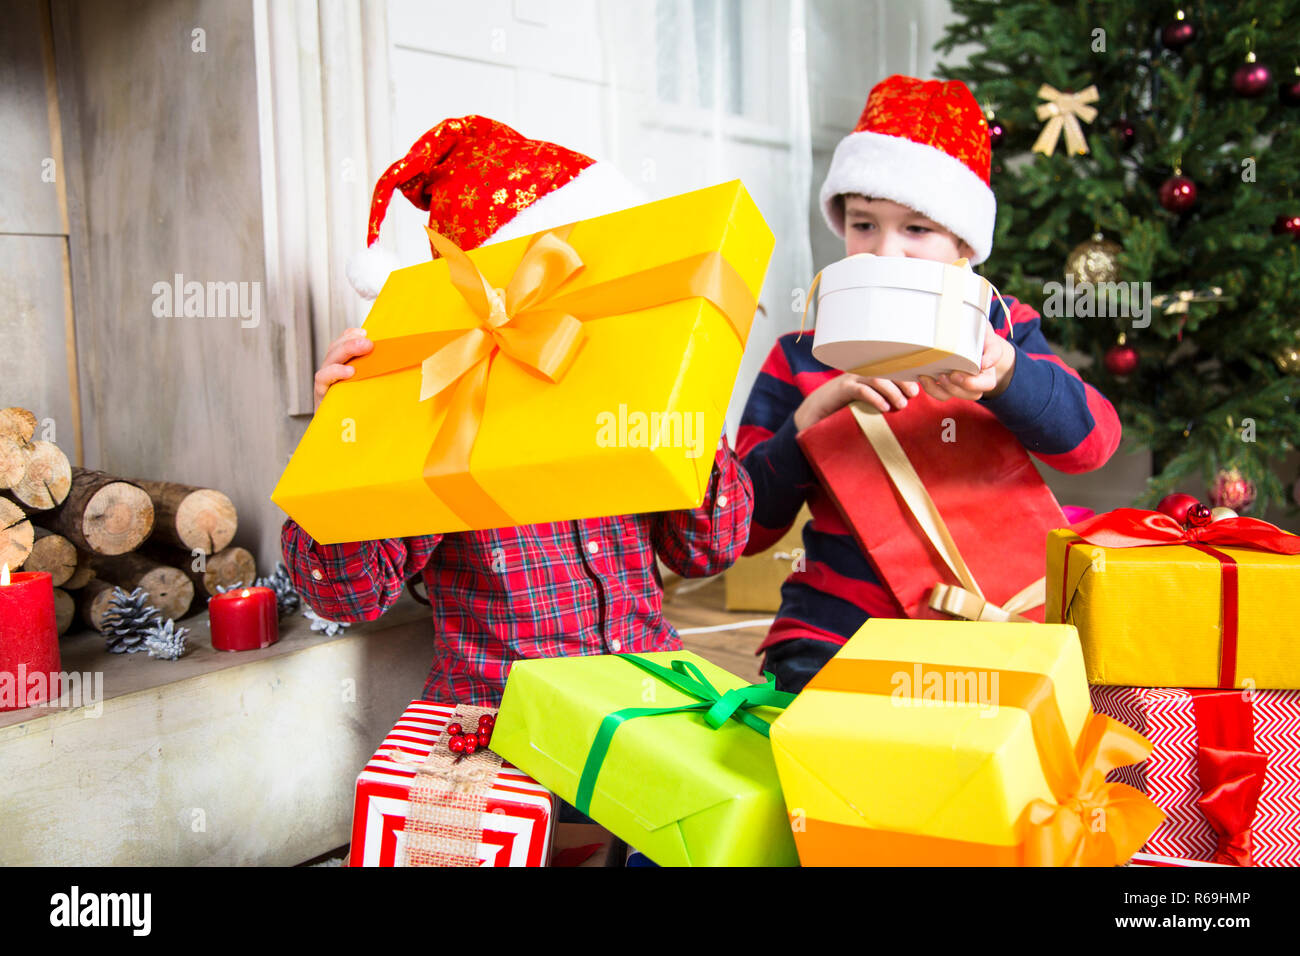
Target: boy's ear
964	248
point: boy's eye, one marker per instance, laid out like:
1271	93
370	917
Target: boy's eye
920	229
861	226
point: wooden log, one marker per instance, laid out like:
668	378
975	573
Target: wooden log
93	601
84	573
16	535
226	568
169	589
17	426
17	423
53	553
102	514
46	479
13	460
189	517
65	609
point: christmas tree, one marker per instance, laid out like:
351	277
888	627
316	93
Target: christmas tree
1168	252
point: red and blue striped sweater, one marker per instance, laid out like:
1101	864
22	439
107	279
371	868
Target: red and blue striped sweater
1061	420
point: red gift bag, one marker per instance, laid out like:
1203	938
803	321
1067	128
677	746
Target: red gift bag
975	496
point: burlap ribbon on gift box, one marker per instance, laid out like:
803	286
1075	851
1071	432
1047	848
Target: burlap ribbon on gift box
444	824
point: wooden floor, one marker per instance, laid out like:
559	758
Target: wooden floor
693	604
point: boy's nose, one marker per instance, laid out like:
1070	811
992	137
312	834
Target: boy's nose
891	244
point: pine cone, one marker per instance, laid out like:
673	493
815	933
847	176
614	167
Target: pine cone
286	598
318	623
166	640
127	618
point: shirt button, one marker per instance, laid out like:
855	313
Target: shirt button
316	574
616	644
592	547
722	501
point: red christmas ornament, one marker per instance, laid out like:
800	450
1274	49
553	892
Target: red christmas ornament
1178	193
1230	489
471	742
1121	360
1251	78
1176	506
1285	225
1198	516
456	744
1178	34
1289	93
996	132
1126	132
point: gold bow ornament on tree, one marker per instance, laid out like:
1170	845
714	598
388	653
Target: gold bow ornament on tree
1062	111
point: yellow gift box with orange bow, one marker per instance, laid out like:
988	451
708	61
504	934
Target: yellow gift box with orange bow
581	372
958	743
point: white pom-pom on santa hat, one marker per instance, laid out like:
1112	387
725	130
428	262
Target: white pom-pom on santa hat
368	270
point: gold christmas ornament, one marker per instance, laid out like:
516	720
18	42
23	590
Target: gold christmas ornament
1288	360
1094	260
1062	111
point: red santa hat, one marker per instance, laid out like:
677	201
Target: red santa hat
924	144
482	182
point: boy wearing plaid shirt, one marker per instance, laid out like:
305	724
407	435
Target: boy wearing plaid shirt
542	590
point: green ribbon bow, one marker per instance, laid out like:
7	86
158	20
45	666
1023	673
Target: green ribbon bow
719	707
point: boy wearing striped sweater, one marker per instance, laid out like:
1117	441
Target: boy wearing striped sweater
912	179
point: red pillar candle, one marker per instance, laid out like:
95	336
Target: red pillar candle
29	639
244	619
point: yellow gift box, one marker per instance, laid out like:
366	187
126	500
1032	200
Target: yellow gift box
1156	616
577	373
957	743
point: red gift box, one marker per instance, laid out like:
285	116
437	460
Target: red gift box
518	819
1225	769
987	493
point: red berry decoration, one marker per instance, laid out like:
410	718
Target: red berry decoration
1251	78
1198	516
456	744
1285	225
1231	489
455	729
996	132
1177	506
1121	360
1179	33
487	720
1178	194
484	738
471	742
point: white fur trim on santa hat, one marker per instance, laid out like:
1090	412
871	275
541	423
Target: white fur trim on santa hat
596	191
935	184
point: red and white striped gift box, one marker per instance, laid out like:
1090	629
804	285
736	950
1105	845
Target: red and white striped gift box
517	826
1170	777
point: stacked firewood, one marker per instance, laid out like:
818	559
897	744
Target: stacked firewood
93	531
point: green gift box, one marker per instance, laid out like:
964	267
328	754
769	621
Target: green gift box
665	750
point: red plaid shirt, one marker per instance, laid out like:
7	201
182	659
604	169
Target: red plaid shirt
542	590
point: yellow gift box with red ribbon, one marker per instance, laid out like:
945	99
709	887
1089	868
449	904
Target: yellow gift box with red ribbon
580	372
956	743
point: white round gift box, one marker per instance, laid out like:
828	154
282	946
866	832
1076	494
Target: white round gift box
900	318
